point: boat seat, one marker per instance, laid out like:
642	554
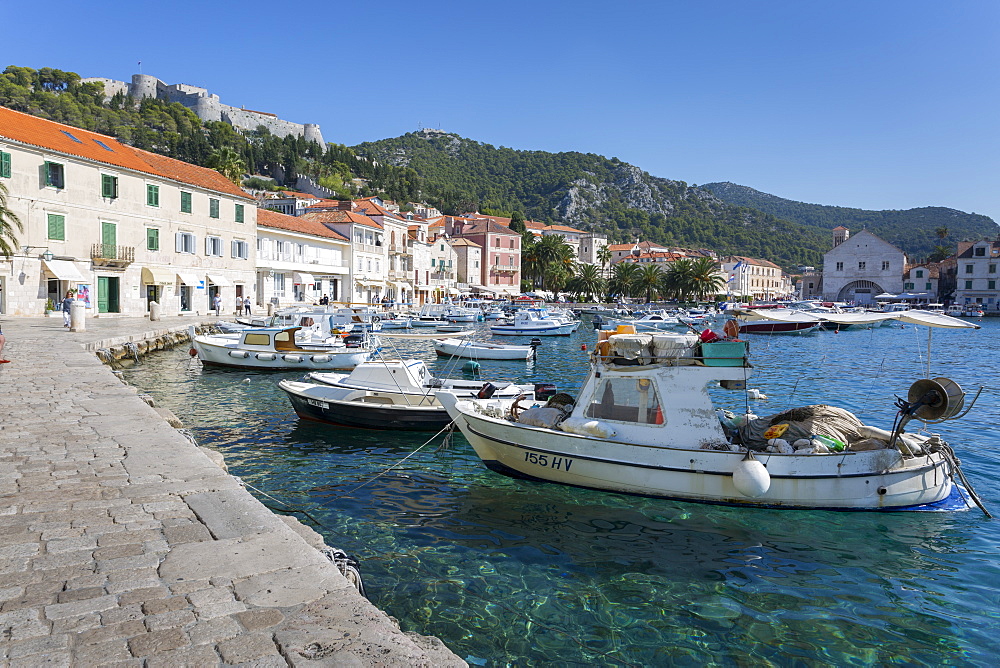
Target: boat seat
378	400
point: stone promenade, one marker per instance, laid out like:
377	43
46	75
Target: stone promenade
122	543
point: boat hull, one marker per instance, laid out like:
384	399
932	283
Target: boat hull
889	483
776	327
233	356
363	415
514	330
470	350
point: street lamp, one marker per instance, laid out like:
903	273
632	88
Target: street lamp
47	255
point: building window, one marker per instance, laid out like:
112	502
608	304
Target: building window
279	285
241	250
184	242
927	286
185	202
109	186
213	207
239	213
992	269
885	265
433	261
152	239
840	266
4	165
980	251
213	246
907	286
991	285
152	195
969	268
57	227
861	266
55	175
968	285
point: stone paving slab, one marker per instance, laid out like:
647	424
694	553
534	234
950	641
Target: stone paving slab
122	543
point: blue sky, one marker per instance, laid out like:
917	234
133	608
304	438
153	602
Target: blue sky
876	104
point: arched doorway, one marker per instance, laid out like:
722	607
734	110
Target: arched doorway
860	292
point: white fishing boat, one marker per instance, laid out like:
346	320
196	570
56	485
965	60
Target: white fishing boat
776	321
657	319
644	423
482	350
396	322
534	322
391	394
277	348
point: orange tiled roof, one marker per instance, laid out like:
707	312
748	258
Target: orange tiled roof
301	224
564	228
341	217
620	247
34	131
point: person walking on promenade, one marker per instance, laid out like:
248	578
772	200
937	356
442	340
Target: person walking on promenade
217	305
67	304
246	305
3	341
239	305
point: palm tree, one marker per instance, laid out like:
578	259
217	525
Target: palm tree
648	281
587	282
550	250
229	163
677	282
705	279
8	223
604	254
623	278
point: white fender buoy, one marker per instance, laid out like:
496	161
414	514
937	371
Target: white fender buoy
750	478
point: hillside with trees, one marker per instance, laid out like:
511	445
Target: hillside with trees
918	231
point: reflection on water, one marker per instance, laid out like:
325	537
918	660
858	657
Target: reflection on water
510	572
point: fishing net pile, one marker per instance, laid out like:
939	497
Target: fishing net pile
803	423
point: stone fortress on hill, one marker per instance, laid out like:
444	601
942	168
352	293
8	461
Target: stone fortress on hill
207	106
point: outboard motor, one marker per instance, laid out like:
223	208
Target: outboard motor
598	321
543	391
354	340
486	391
535	342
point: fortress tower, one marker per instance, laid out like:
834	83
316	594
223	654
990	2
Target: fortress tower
207	106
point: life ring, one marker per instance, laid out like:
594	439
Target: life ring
515	407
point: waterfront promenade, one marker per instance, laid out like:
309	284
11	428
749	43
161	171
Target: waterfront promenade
122	543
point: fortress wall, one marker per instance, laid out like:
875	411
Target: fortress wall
111	87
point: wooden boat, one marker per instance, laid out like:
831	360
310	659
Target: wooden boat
647	425
277	348
482	350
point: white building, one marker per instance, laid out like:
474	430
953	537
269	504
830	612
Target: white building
299	261
369	256
120	226
977	275
861	266
754	278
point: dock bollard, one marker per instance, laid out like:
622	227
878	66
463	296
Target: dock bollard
77	316
154	311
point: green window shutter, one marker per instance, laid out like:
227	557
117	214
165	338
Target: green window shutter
54	175
57	227
239	213
109	186
213	208
152	239
152	195
4	165
185	202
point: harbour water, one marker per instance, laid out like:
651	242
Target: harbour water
516	573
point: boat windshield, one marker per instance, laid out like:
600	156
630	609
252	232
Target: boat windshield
626	400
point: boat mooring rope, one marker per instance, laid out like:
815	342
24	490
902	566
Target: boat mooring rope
956	467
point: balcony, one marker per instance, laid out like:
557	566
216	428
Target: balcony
112	256
443	275
400	249
399	275
505	269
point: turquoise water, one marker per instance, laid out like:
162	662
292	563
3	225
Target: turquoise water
508	572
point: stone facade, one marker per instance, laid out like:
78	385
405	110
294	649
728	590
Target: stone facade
207	106
861	266
121	226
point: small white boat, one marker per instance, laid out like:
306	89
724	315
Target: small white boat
277	348
382	394
645	424
534	322
397	322
658	319
482	350
449	328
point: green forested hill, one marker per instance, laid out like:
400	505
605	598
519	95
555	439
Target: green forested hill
916	231
593	193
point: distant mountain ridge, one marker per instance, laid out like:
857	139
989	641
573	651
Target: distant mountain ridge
593	193
913	230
